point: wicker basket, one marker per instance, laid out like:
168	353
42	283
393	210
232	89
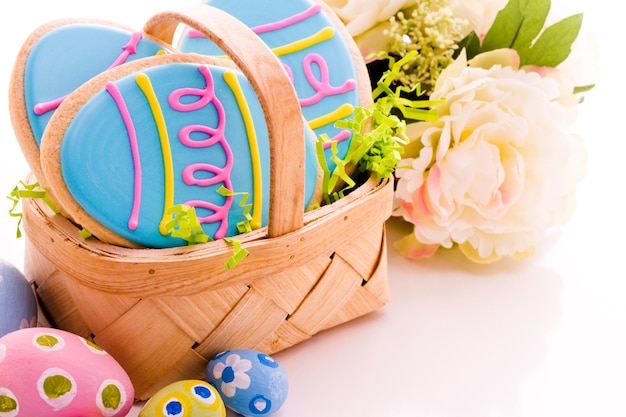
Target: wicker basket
162	313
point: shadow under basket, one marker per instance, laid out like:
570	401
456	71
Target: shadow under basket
163	313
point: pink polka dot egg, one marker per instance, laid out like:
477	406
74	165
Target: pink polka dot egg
45	372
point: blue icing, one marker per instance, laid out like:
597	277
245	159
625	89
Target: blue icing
334	50
97	163
68	56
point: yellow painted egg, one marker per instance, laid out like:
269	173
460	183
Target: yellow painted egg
185	399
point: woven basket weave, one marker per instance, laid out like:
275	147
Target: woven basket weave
162	313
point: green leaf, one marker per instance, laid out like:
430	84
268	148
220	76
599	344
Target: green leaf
516	25
471	43
533	21
583	88
555	43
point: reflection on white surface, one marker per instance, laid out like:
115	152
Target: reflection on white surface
449	343
540	337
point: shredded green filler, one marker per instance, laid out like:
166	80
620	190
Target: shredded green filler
23	190
379	133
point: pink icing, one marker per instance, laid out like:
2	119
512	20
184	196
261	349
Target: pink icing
129	49
339	137
220	175
216	136
270	27
43	108
322	85
112	89
281	24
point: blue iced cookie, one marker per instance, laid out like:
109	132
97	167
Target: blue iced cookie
171	130
324	64
56	59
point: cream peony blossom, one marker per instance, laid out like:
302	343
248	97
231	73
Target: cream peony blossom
361	15
496	170
479	14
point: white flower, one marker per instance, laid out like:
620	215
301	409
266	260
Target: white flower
233	374
361	15
497	168
479	14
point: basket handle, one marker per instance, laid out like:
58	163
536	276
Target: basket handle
275	92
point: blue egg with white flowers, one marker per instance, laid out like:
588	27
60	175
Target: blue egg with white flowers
18	306
250	383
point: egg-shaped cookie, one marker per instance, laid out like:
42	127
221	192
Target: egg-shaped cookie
172	130
58	57
321	58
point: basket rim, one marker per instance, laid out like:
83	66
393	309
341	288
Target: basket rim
147	272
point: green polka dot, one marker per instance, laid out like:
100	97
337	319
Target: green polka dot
93	345
56	386
47	340
111	397
7	404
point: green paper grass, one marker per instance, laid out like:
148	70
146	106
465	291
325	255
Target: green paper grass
85	234
185	225
239	252
378	133
23	190
243	226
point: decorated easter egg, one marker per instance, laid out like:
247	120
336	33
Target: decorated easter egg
314	47
250	382
173	130
56	59
18	305
189	398
46	372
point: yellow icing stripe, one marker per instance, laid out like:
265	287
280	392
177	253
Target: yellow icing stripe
143	81
299	45
257	202
340	113
304	43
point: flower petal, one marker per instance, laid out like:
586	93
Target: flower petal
218	370
472	254
244	365
411	248
229	389
242	380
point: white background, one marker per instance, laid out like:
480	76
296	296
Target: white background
541	337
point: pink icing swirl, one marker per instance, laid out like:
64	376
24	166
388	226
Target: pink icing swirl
321	85
214	136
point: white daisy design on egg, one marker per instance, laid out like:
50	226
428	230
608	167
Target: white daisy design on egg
232	373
